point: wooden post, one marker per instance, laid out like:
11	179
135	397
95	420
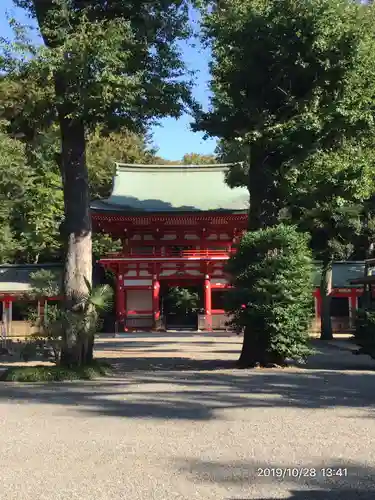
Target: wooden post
207	303
120	299
8	314
318	304
353	306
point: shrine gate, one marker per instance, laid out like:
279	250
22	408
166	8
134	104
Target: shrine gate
177	225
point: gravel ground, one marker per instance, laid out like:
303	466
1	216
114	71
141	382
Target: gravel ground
169	426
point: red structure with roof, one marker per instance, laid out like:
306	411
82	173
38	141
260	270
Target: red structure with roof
178	225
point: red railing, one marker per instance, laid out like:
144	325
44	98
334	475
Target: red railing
192	254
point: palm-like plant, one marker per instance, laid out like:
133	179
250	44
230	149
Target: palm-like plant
83	320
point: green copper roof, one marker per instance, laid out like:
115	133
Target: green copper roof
16	279
342	273
170	188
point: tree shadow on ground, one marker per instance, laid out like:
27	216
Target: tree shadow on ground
168	387
350	481
113	345
203	395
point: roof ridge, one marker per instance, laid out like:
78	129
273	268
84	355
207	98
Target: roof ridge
123	167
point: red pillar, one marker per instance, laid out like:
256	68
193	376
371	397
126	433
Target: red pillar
318	304
120	300
155	301
353	306
207	303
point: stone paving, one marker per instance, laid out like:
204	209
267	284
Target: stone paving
177	421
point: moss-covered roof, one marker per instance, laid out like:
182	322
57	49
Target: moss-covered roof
172	188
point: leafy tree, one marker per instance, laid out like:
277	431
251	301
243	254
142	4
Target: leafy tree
327	200
32	205
182	300
198	159
187	159
45	284
272	295
290	79
103	149
235	152
294	82
365	246
38	215
102	62
103	243
12	175
34	209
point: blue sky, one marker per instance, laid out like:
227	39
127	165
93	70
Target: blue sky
173	137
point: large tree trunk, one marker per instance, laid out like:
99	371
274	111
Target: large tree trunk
262	214
252	352
325	290
76	232
255	351
263	189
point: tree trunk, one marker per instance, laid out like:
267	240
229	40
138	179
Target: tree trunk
325	290
249	353
255	350
76	231
263	210
89	355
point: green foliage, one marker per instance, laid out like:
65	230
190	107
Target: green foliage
198	159
12	188
31	200
272	274
56	373
103	244
45	284
32	205
327	196
104	149
294	81
182	300
124	66
236	152
293	86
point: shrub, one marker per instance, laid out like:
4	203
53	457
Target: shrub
272	276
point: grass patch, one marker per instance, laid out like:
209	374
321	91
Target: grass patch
56	373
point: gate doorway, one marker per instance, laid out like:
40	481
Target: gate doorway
180	306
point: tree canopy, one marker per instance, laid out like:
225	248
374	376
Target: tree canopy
291	79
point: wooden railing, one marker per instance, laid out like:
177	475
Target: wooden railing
206	253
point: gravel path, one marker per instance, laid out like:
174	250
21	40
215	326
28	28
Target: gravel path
168	426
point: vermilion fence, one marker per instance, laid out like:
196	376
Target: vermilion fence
207	253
